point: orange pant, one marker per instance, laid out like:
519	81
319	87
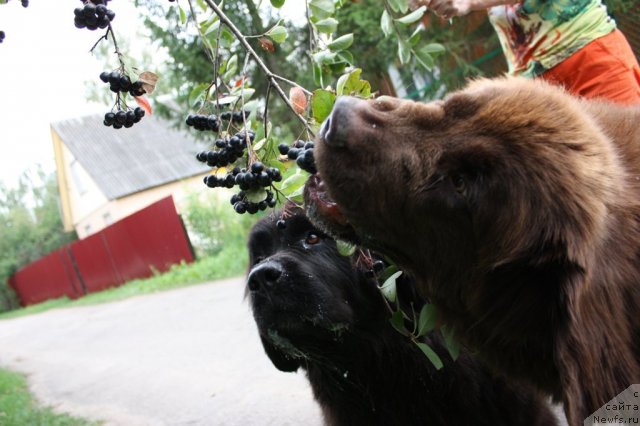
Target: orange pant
605	68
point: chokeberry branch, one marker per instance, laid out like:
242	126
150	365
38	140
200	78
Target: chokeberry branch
103	37
115	46
207	49
250	153
266	109
271	77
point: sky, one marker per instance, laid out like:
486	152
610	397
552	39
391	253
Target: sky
44	64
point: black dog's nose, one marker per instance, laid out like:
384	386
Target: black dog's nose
264	276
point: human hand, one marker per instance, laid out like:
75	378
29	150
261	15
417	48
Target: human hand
445	8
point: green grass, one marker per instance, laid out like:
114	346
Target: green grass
18	407
230	261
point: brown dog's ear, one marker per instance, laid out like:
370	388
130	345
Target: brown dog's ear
279	359
461	105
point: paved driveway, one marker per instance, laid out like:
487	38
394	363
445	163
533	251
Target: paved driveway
183	357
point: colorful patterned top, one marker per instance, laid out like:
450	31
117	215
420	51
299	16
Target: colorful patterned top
536	35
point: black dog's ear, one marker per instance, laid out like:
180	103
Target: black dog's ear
279	359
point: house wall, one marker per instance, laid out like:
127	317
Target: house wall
87	210
114	210
79	194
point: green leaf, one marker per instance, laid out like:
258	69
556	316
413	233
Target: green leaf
293	182
400	6
427	319
277	3
278	34
389	287
231	68
397	321
322	9
256	195
197	93
433	49
452	344
413	16
386	23
317	74
258	145
425	60
415	37
404	52
346	56
183	15
324	57
350	84
341	43
433	357
327	26
345	248
321	104
211	27
390	270
226	100
226	38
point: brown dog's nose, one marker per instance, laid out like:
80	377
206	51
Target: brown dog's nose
264	276
335	128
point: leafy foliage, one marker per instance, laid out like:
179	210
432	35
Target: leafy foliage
30	226
212	225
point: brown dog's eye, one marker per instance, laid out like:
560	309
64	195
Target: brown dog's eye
312	238
459	183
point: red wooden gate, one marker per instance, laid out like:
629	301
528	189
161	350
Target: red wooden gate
152	238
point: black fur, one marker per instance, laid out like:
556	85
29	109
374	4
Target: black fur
316	311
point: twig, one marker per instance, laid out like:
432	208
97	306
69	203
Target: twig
292	83
271	77
103	37
115	46
202	37
266	109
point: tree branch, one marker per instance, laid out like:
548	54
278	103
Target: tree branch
271	77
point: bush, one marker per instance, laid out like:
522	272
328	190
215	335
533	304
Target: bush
212	223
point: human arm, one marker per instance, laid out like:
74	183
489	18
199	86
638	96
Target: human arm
450	8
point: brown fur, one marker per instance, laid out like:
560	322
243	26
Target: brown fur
517	206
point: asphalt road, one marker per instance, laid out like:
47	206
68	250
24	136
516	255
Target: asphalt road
183	357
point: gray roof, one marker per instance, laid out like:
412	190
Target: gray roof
125	161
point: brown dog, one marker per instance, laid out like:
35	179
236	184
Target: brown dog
517	207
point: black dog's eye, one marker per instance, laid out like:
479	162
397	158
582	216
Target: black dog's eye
459	183
312	238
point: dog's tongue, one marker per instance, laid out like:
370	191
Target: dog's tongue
323	202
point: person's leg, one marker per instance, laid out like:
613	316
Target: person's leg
605	68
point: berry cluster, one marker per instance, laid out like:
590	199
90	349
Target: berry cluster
203	122
302	152
93	15
237	117
122	83
242	205
230	149
2	36
258	177
122	119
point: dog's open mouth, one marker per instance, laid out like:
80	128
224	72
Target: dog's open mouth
325	213
316	194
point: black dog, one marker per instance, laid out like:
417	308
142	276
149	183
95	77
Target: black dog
316	311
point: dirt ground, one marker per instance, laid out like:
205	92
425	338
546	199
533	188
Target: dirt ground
184	357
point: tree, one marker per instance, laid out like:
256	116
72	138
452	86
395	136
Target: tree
30	226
